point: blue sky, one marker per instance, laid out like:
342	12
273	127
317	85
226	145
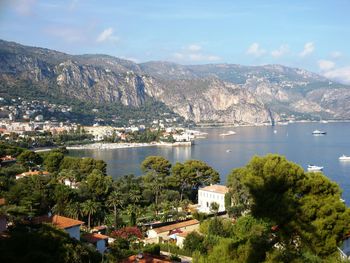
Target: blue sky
314	35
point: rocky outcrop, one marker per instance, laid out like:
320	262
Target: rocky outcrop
202	93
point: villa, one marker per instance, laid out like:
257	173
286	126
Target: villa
211	194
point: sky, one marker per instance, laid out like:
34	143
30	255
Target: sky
309	34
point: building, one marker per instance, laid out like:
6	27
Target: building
180	238
98	240
69	225
156	235
146	258
345	248
31	173
210	194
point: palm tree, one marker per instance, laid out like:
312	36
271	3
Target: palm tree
89	208
115	200
73	209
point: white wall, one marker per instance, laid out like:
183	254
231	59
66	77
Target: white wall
205	198
346	246
74	232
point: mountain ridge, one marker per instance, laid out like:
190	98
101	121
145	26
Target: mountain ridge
228	93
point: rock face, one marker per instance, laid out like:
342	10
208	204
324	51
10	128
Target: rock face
202	93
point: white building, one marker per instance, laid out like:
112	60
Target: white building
155	235
69	225
98	240
210	194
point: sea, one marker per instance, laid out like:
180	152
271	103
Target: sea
224	153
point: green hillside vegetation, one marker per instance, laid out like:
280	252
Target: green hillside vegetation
277	212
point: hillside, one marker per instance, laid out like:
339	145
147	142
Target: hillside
201	93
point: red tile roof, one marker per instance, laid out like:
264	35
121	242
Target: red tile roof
94	237
58	221
2	201
146	258
216	188
32	173
175	226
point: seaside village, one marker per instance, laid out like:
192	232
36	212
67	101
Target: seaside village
163	231
156	232
25	120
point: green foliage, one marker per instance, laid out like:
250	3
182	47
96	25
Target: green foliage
6	149
175	258
192	174
46	244
29	159
153	249
52	161
306	207
194	242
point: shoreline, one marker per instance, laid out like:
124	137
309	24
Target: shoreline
111	145
198	126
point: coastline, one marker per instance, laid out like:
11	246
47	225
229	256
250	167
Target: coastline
109	146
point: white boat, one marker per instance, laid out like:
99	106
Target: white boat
344	158
228	133
318	132
228	151
314	168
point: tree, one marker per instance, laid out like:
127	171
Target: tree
214	207
194	242
89	208
115	201
238	199
306	207
29	159
52	161
73	209
193	174
157	170
98	184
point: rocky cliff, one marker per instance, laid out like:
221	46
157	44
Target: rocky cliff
202	93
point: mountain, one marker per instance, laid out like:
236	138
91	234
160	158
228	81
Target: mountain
224	93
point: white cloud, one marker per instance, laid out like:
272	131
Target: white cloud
202	57
282	50
340	74
255	50
326	65
194	47
309	47
336	54
24	7
194	53
107	35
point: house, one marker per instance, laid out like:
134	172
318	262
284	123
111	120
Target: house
345	248
31	173
180	238
98	240
210	194
69	225
159	233
146	258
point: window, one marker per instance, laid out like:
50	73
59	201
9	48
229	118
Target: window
207	204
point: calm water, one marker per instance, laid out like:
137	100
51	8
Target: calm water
294	141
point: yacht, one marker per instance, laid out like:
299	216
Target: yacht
318	132
314	168
228	151
344	158
228	133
